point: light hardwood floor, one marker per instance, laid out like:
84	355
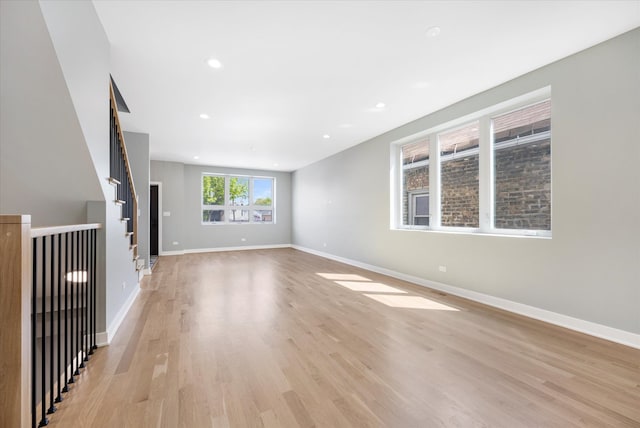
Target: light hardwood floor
260	339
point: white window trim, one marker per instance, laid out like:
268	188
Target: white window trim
485	171
227	207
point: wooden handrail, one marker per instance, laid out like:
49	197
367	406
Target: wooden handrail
54	230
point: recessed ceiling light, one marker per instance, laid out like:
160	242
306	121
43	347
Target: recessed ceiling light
275	164
252	148
380	105
196	157
433	31
326	136
214	63
204	116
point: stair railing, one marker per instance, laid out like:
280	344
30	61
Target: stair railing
48	294
122	177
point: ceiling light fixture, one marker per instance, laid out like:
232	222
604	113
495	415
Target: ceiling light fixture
204	116
326	136
214	63
275	164
380	105
433	31
196	157
421	85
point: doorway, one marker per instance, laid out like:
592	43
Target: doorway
154	223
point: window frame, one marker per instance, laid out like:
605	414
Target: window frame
227	207
486	172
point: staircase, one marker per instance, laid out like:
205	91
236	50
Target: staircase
122	179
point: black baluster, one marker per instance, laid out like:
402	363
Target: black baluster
34	314
94	286
79	288
89	292
43	376
52	253
70	281
60	279
77	304
67	263
84	297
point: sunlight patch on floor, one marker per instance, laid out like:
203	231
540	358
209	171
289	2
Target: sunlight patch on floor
343	277
409	302
372	287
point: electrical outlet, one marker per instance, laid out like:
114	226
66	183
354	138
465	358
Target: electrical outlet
243	239
175	242
442	268
124	285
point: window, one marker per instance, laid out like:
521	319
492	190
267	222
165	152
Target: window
420	209
415	183
522	168
459	166
237	199
488	172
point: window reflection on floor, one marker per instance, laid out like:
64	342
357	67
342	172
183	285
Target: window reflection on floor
369	286
390	296
343	277
409	302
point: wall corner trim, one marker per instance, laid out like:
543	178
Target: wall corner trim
104	338
587	327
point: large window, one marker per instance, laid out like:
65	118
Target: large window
237	199
488	172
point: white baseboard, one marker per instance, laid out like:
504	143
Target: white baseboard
244	248
220	249
105	338
171	253
598	330
147	271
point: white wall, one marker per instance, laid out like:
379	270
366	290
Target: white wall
83	52
181	187
42	145
588	270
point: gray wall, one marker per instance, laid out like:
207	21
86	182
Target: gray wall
138	152
181	187
42	145
588	270
54	143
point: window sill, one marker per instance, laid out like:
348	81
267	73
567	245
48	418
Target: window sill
237	224
501	234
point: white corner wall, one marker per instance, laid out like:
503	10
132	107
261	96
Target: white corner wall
588	270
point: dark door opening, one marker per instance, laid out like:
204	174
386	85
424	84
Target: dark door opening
153	219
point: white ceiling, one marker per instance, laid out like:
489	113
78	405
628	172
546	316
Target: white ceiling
296	70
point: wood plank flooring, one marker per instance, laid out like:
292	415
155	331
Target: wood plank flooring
261	339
